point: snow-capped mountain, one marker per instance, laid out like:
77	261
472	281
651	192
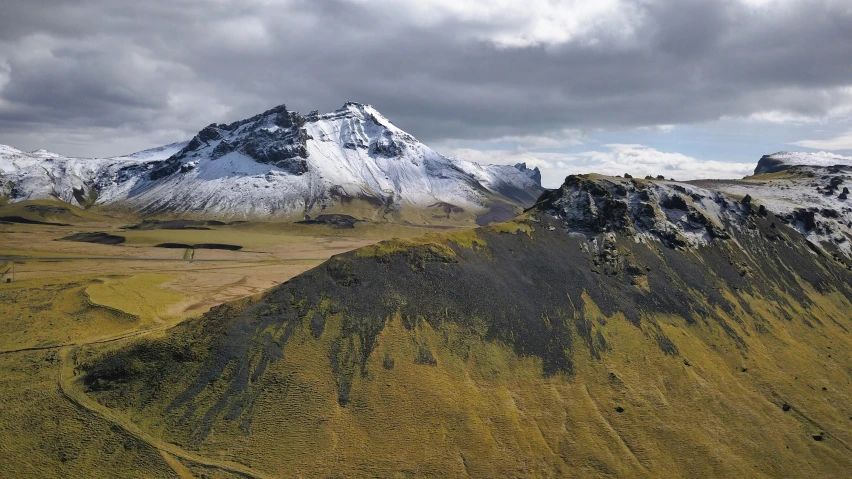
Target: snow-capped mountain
279	163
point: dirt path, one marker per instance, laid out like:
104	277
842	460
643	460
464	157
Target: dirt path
96	341
71	392
182	471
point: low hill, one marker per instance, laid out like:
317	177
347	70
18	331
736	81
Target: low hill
50	212
619	328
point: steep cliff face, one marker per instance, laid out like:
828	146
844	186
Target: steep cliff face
278	163
633	328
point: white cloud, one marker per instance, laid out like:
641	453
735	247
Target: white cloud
658	128
779	117
513	24
558	139
840	142
757	4
566	138
637	160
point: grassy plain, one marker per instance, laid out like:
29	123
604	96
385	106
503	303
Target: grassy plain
68	294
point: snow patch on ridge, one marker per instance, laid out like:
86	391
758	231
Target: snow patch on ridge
784	160
679	215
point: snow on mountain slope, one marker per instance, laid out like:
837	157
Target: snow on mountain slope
693	214
276	163
42	174
812	195
677	214
784	160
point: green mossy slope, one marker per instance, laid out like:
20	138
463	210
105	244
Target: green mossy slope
519	350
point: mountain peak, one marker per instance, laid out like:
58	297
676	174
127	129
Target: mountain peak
355	104
533	173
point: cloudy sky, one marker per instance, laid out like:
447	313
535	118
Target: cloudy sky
685	88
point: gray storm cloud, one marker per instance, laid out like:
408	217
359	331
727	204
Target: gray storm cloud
103	77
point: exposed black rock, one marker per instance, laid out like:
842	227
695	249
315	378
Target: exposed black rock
223	148
162	169
806	217
387	146
534	173
675	202
209	133
768	164
598	206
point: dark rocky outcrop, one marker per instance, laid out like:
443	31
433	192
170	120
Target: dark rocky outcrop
534	173
283	147
770	164
666	211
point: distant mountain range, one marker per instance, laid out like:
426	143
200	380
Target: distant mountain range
280	164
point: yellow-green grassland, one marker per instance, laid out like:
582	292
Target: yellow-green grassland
69	294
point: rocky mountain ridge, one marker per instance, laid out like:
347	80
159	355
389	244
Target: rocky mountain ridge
807	191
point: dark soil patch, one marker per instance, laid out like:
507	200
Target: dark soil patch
388	362
229	247
27	221
337	221
99	238
498	213
177	225
425	357
317	325
448	208
173	245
